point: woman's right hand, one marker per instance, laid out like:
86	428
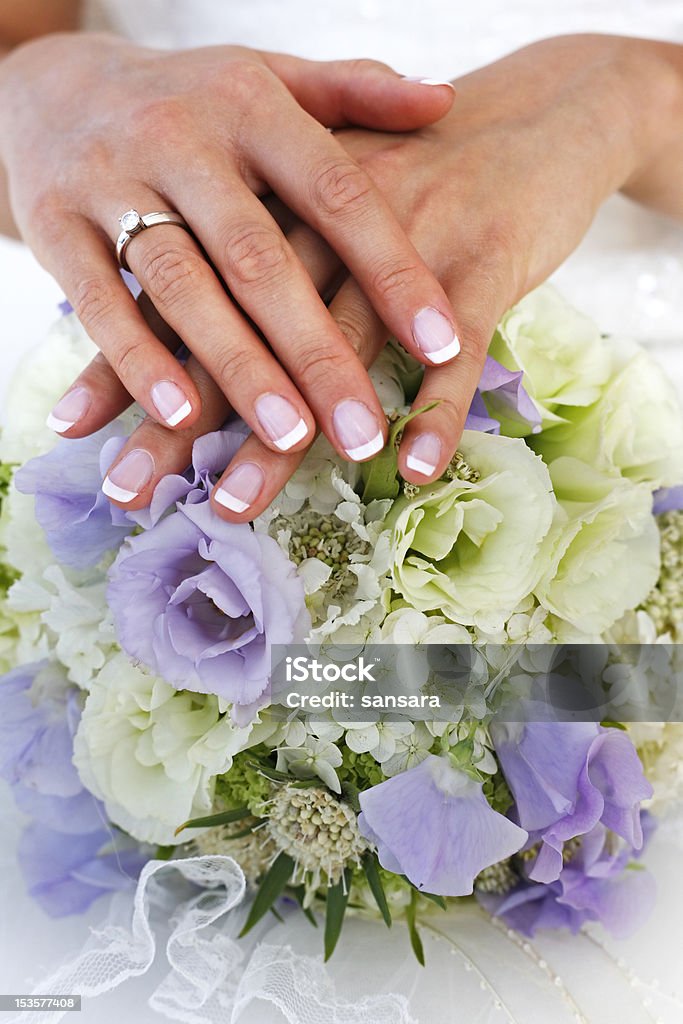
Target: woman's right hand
91	125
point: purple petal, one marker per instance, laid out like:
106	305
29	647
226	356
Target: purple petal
436	824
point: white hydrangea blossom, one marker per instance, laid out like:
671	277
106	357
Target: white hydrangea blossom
343	556
315	756
150	752
409	751
67	613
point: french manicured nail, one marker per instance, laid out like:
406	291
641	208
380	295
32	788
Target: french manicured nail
357	429
434	335
69	410
241	487
125	481
171	403
427	81
280	420
424	454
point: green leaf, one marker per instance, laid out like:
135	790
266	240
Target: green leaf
352	794
613	725
380	475
439	900
299	893
165	852
337	900
372	874
224	818
415	940
279	873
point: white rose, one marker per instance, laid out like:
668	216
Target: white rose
635	429
564	359
151	752
472	549
606	554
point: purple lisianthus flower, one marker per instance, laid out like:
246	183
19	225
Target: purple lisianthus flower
566	777
595	885
68	854
79	522
202	601
433	824
500	392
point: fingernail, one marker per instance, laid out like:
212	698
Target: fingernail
418	80
171	403
125	481
434	335
280	420
241	487
424	454
358	430
69	410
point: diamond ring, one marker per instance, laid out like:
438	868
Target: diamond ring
132	223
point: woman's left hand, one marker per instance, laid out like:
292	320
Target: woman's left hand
494	197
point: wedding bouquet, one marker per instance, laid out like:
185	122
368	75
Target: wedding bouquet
138	715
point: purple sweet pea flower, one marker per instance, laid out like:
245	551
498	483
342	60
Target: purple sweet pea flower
66	873
501	391
202	601
668	499
79	522
433	824
68	855
566	777
595	885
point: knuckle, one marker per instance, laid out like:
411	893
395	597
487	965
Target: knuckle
355	332
254	254
47	209
232	366
340	187
364	65
128	358
244	79
94	301
171	273
318	364
158	119
394	276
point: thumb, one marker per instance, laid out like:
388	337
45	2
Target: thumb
365	93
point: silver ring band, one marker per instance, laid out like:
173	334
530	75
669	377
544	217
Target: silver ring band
132	223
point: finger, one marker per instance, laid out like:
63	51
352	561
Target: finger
270	284
110	397
366	93
165	453
314	175
188	295
430	440
254	478
148	371
152	452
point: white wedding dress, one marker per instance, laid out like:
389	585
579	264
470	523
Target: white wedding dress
629	275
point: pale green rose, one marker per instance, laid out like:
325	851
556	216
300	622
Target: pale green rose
606	553
635	429
44	374
474	549
564	359
152	753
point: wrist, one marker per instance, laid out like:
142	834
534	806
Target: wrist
650	77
